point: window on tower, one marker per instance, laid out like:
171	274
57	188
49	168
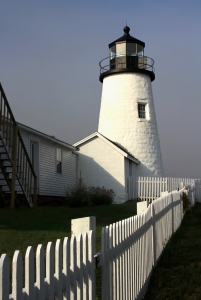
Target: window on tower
142	110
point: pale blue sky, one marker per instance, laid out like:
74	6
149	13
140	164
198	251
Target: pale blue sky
50	51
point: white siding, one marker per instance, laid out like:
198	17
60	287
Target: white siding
50	183
26	140
101	165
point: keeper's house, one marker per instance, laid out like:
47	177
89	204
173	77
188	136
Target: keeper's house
54	161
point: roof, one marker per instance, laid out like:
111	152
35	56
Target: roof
128	38
114	145
46	136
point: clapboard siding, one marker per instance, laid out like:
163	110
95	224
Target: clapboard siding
26	140
74	168
50	183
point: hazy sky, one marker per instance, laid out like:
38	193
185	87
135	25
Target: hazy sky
49	56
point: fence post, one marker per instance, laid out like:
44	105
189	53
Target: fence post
81	226
153	235
12	200
172	213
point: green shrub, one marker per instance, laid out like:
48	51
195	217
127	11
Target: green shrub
77	194
80	195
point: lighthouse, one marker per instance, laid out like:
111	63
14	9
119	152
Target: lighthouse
127	114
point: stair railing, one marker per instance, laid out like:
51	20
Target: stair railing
22	169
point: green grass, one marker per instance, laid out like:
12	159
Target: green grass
25	227
178	273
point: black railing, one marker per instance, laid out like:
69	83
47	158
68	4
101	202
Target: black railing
126	62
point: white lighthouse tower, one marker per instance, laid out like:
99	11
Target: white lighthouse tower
127	113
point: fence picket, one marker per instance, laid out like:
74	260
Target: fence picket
123	260
17	276
92	281
120	261
40	272
58	269
85	267
66	269
113	245
4	277
117	262
29	274
79	267
50	271
73	267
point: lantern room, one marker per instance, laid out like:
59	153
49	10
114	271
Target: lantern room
126	54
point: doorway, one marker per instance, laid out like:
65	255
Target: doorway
34	156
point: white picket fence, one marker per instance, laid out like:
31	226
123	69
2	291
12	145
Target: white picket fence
131	248
129	251
150	188
70	272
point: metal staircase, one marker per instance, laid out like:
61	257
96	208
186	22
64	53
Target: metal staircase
17	175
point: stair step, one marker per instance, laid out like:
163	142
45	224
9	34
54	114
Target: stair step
6	189
7	163
2	150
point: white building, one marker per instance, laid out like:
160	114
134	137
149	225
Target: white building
54	161
105	163
32	164
127	118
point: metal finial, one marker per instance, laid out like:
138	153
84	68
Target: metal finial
126	30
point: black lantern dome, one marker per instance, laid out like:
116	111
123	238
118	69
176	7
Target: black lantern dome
126	55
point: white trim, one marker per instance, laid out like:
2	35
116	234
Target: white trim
43	135
143	120
61	161
147	116
96	134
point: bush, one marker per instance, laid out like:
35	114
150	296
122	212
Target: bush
80	195
100	196
77	195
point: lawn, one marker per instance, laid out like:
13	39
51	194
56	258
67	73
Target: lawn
25	227
178	273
